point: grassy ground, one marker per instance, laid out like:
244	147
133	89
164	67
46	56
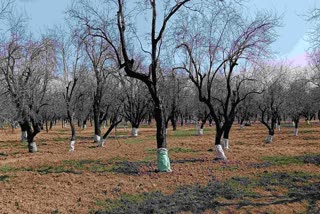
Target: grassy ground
282	177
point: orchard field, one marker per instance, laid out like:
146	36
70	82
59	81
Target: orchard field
282	177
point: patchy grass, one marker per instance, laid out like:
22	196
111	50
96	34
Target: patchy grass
197	198
172	150
6	169
4	178
182	133
133	140
60	139
282	160
308	131
286	160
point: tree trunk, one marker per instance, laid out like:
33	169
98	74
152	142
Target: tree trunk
162	153
96	120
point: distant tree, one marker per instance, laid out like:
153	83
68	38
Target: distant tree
273	97
136	101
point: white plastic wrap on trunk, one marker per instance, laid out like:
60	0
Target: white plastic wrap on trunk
84	126
96	138
293	124
269	139
200	131
33	147
279	128
24	136
72	143
134	132
220	152
102	142
296	132
276	125
308	122
226	143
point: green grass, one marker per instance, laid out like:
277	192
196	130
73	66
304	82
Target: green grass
182	133
134	140
308	131
282	160
4	178
6	169
172	150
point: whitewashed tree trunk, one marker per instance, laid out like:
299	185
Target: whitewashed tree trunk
308	122
296	132
96	138
33	147
279	128
24	136
84	126
200	131
134	132
102	142
72	145
241	126
269	139
220	153
166	131
293	124
225	143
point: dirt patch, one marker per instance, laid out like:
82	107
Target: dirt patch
121	177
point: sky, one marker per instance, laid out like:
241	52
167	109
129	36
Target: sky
292	36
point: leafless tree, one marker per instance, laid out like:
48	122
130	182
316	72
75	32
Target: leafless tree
216	49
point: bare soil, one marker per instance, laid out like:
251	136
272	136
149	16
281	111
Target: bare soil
282	177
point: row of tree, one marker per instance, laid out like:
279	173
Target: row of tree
200	61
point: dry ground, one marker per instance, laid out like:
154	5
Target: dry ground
282	177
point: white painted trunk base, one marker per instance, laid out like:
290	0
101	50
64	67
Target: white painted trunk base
24	136
269	139
220	153
296	132
293	124
72	144
241	126
134	132
308	122
279	128
225	143
33	147
84	127
102	142
200	131
96	138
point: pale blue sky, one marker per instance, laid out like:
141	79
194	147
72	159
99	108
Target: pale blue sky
291	42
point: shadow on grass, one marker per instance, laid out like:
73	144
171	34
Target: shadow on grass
197	198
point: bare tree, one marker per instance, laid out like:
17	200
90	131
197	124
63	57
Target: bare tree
214	58
118	39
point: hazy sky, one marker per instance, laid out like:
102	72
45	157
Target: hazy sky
291	42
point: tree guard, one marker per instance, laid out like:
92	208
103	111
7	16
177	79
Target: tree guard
96	138
134	132
225	143
24	136
163	160
220	152
269	139
32	147
72	143
102	142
